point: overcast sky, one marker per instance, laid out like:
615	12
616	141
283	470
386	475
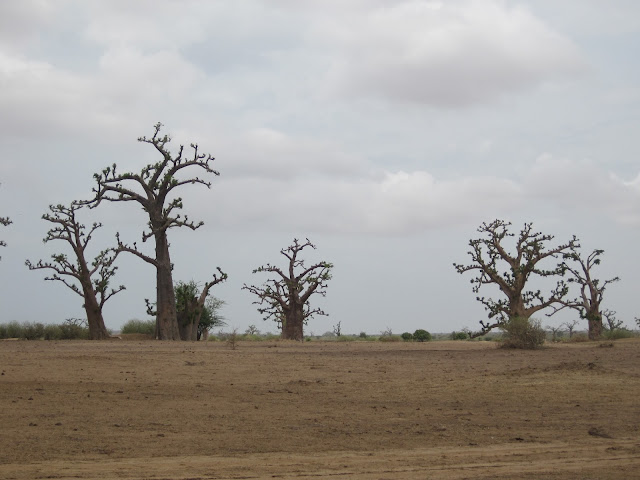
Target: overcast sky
385	131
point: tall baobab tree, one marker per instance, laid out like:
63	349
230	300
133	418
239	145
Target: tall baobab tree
285	298
511	272
154	189
591	289
93	277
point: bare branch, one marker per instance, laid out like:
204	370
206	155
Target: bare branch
285	299
123	247
510	272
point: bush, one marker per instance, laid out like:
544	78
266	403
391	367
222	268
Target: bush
14	330
523	333
618	333
459	336
72	330
421	335
389	338
406	336
363	334
147	327
32	331
52	332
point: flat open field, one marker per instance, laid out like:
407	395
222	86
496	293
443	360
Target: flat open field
452	410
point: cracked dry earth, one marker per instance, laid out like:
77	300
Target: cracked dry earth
132	409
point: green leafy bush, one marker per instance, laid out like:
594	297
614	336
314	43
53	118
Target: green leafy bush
13	330
72	330
52	332
421	335
69	330
523	333
147	327
459	336
32	331
406	336
618	333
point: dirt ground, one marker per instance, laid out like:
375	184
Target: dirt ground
360	410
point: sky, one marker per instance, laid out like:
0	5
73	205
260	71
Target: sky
384	131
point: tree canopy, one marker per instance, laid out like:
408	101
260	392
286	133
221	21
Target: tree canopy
511	272
285	297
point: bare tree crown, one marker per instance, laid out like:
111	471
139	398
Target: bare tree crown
293	286
511	271
68	229
152	186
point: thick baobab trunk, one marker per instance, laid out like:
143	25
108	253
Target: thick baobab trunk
292	327
95	321
166	317
188	320
595	325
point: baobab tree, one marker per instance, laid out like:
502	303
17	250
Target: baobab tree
591	289
154	189
285	298
93	277
511	272
191	305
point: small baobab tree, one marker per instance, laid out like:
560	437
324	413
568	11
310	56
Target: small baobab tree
591	289
511	272
191	305
285	298
93	277
612	323
154	189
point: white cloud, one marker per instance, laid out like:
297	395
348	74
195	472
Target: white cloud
147	24
387	203
21	21
583	188
445	54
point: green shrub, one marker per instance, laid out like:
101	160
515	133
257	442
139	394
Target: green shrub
32	331
25	331
421	335
618	333
71	330
389	338
363	334
406	336
147	327
523	333
459	336
14	330
52	332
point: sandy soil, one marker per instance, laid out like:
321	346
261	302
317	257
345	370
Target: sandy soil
452	410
